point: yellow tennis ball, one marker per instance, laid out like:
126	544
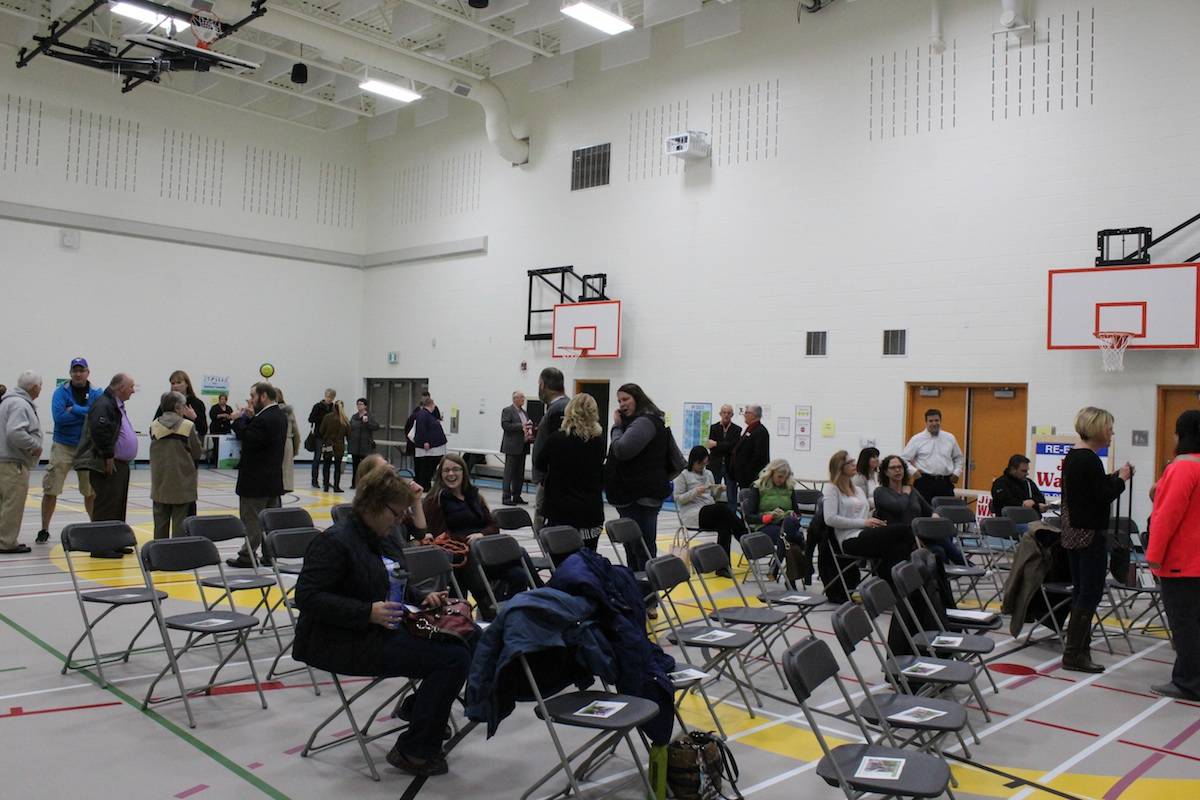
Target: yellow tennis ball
267	370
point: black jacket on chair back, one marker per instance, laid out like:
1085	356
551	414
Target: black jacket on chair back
260	471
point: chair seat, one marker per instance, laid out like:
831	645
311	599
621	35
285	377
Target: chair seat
979	551
1125	587
779	597
121	597
951	671
541	563
1057	588
564	709
993	623
239	582
959	571
749	616
956	616
923	775
290	569
969	644
690	634
954	717
196	622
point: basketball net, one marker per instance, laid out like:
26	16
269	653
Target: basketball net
1112	349
206	27
573	352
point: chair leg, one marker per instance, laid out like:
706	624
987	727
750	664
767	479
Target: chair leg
253	670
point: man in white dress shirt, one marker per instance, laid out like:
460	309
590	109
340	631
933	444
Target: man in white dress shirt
935	458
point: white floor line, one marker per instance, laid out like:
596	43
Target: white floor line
1092	748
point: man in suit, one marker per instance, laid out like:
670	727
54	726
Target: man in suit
753	449
518	433
553	395
721	438
261	428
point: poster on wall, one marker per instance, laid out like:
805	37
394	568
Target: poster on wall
214	384
1049	452
697	419
802	428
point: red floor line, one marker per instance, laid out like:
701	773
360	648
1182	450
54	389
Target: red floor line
1141	769
1159	750
18	711
1061	727
194	790
1125	691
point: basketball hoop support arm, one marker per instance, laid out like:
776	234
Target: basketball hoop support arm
591	287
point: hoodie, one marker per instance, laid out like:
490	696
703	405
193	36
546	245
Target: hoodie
20	429
174	450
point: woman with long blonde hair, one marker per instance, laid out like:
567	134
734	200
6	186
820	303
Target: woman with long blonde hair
573	462
774	507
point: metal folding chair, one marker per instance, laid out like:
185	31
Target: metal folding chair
98	537
944	529
510	519
852	767
965	619
757	549
559	541
286	548
190	554
948	500
341	513
286	518
1146	586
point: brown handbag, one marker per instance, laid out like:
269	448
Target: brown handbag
1073	538
449	622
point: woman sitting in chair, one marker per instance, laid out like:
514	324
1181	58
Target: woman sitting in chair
456	508
347	625
696	493
773	510
858	533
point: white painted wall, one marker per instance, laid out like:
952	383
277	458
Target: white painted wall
722	268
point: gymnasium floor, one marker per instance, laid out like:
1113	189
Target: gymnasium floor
1083	736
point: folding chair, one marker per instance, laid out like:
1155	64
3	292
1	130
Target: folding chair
808	665
189	554
1145	586
948	500
1020	515
98	537
517	519
278	519
719	646
769	624
937	674
285	548
684	534
225	528
425	565
961	619
558	542
942	530
499	552
909	581
341	513
851	625
757	548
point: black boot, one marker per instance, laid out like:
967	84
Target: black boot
1077	650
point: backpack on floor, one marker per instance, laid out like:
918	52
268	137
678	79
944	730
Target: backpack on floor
698	765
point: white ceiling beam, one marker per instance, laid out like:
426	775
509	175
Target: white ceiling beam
537	14
349	9
409	22
346	88
470	23
500	8
461	40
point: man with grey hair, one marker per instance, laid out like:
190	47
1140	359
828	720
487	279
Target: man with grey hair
320	409
518	433
106	447
753	449
20	447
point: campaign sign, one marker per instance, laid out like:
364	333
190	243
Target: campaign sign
1047	464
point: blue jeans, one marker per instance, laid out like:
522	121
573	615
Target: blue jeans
948	550
788	529
731	493
1089	571
646	518
442	669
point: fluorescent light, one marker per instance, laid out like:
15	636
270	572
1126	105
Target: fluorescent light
389	90
599	18
147	16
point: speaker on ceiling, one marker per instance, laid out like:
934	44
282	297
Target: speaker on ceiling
477	3
299	73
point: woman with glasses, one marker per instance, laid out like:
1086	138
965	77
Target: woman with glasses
455	507
857	531
348	626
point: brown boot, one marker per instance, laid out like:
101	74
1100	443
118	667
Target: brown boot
1077	652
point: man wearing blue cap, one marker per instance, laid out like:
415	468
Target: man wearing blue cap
69	407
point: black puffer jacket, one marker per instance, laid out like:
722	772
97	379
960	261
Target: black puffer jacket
100	430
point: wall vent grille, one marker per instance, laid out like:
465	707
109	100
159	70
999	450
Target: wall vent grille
590	166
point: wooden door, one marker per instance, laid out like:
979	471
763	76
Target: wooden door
1172	401
599	390
952	402
997	432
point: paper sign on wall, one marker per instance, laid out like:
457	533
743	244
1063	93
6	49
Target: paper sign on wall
697	419
828	427
783	426
802	428
214	384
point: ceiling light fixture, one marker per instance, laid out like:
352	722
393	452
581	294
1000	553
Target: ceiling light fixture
599	18
147	16
389	90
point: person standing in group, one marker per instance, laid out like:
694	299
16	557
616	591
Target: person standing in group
1174	556
638	471
261	428
20	448
722	437
220	423
106	447
1015	488
180	382
699	497
174	450
430	438
1088	493
518	433
554	399
865	478
68	408
935	458
572	461
291	443
319	410
361	438
752	452
334	429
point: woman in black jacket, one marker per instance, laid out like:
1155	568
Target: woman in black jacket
1088	494
347	626
573	463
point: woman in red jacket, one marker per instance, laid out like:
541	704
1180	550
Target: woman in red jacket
1174	556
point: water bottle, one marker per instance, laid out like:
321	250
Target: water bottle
397	581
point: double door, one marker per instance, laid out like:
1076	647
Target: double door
390	401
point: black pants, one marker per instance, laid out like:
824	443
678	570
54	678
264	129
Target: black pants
112	493
316	464
1181	600
514	476
931	486
355	460
891	545
1089	571
505	584
442	669
334	462
647	519
423	470
720	518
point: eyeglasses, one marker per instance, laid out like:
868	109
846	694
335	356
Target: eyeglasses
895	466
395	513
449	470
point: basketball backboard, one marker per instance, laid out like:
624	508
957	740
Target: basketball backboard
587	330
1157	304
